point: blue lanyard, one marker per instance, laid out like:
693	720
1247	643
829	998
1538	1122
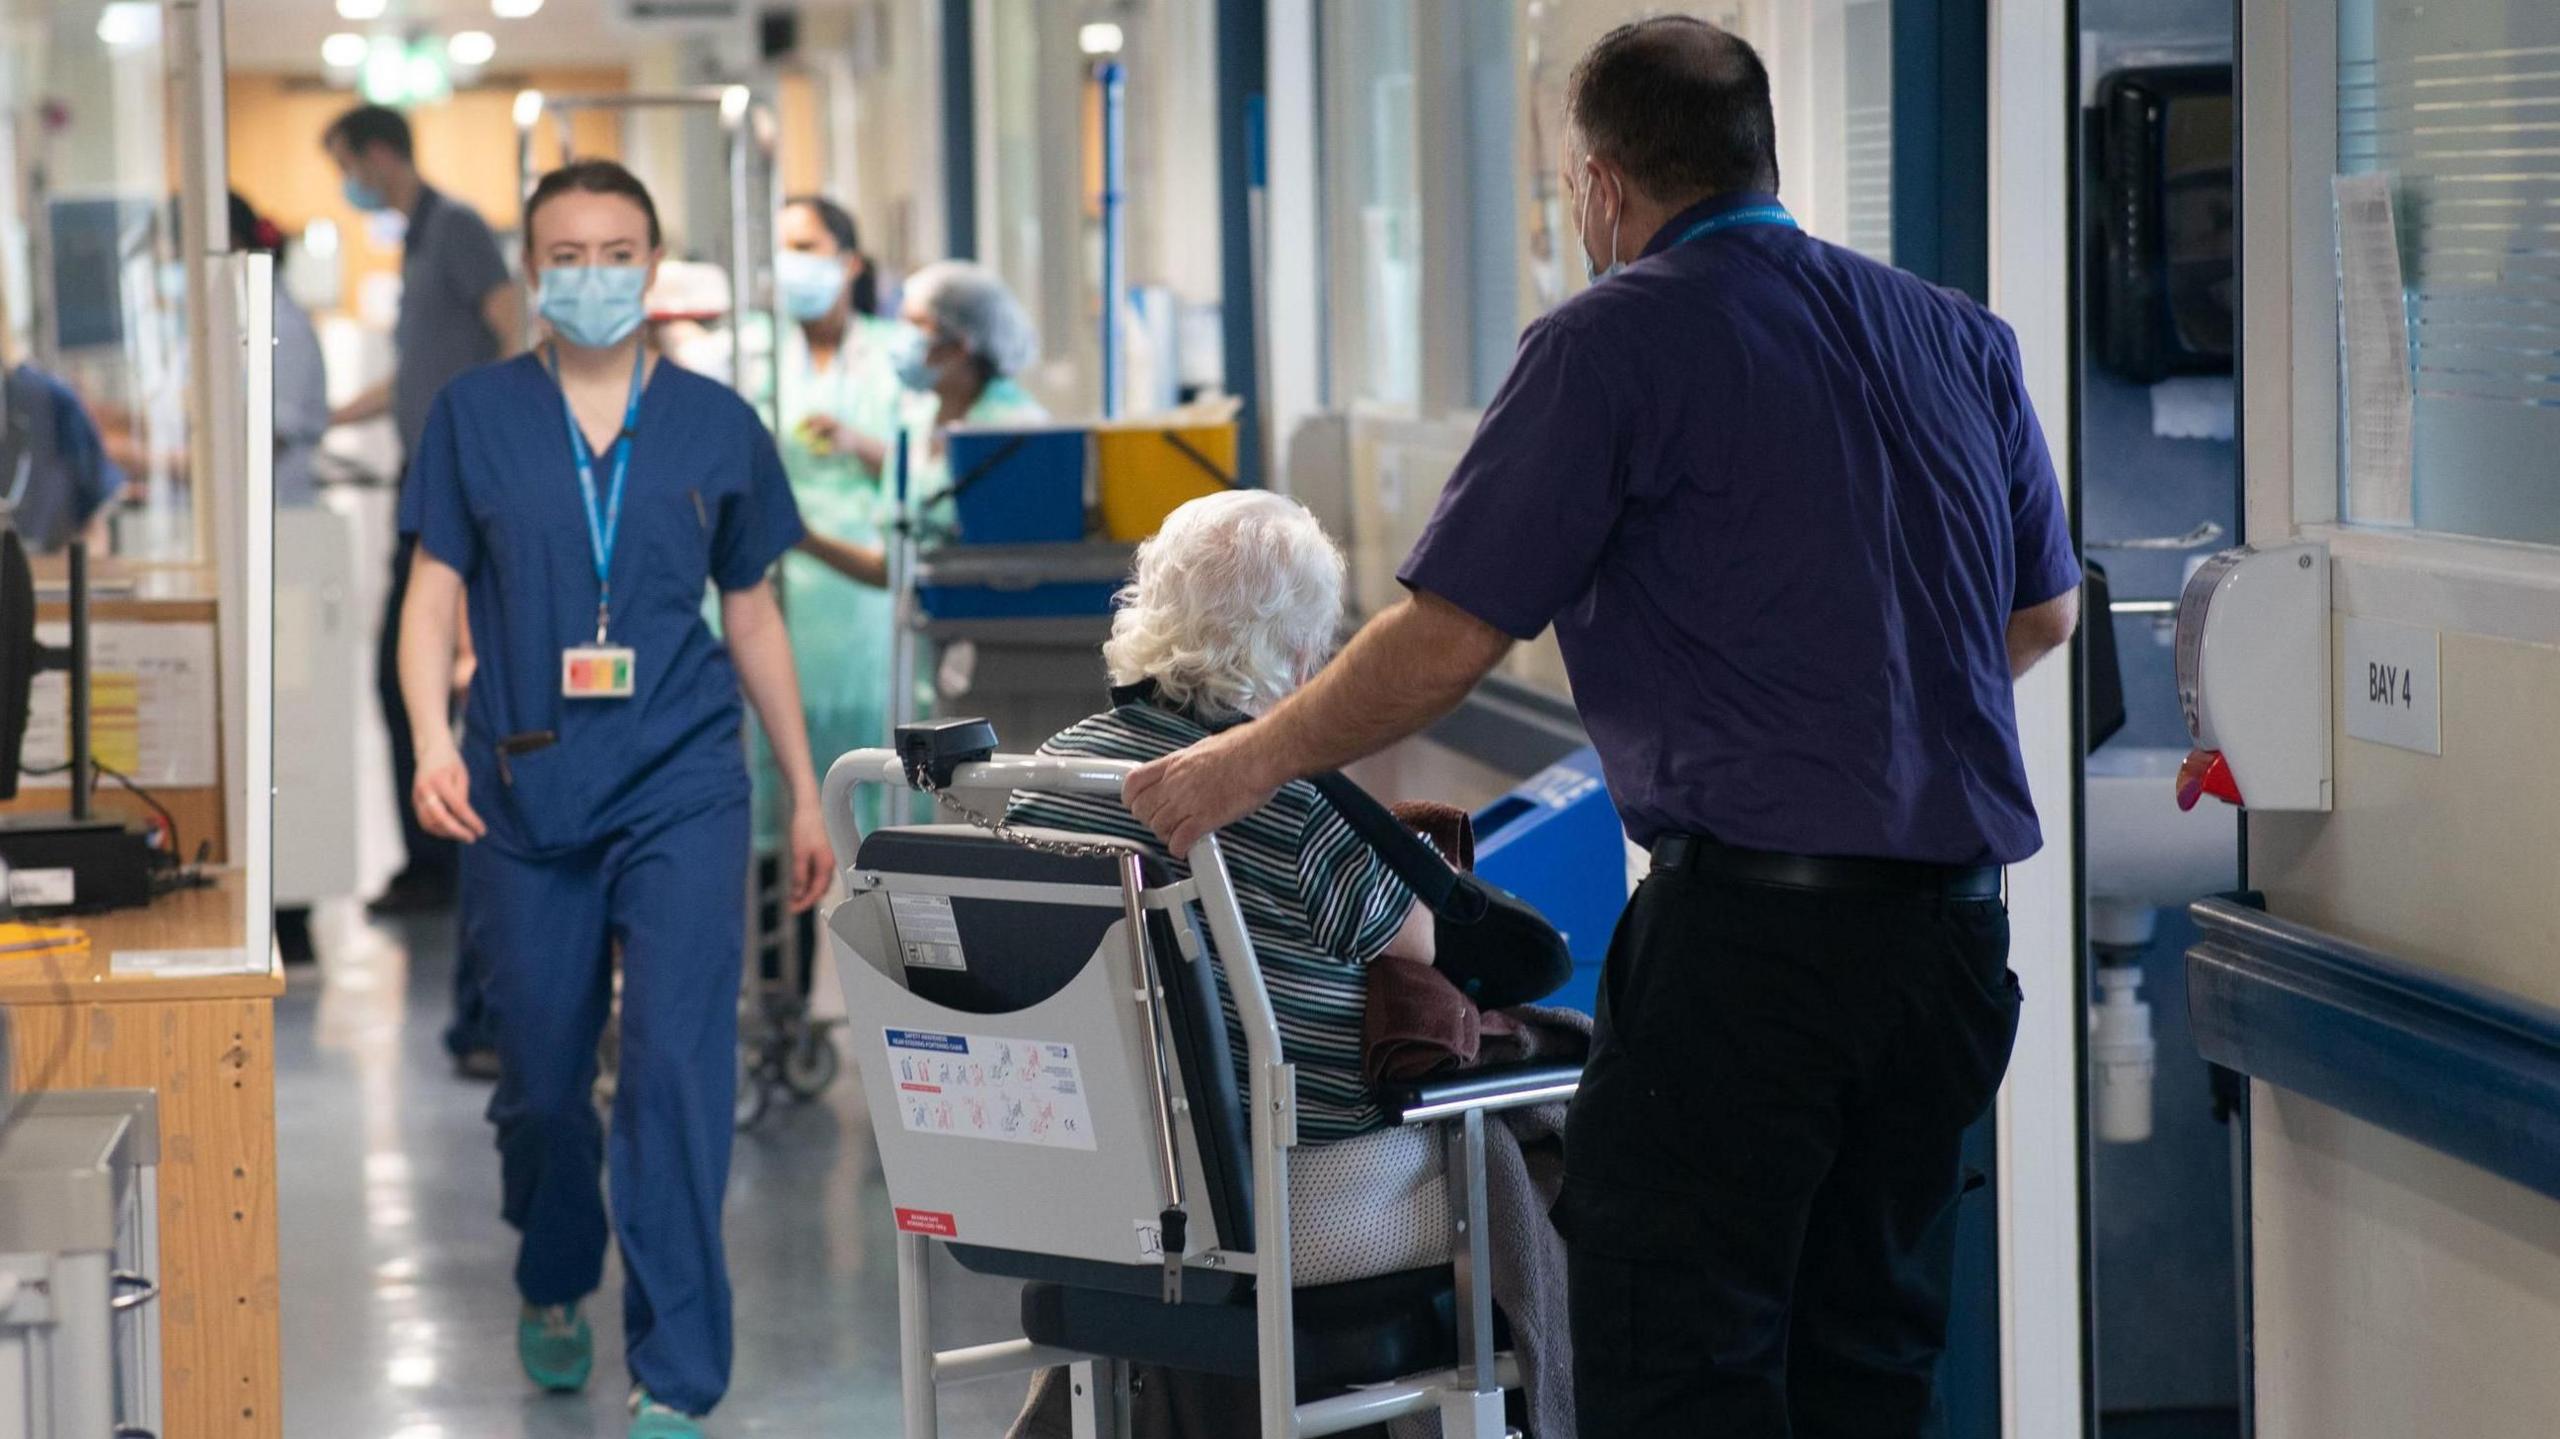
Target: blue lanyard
1737	219
603	529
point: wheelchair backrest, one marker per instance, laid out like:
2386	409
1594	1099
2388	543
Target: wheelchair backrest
993	1004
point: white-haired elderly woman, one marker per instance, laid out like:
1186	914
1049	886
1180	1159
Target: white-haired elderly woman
961	345
1235	603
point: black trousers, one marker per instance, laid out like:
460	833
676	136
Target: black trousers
1762	1167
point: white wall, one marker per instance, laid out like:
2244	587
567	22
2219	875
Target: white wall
2397	1291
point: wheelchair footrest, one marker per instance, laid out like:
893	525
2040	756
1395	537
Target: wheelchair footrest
1366	1331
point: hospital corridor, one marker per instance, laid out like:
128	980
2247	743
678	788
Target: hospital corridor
383	1333
1265	719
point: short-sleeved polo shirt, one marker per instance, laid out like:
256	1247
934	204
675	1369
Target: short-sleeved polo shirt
1779	502
448	265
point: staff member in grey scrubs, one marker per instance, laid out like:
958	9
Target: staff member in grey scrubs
1794	523
459	308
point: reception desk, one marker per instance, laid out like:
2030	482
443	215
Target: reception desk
206	1043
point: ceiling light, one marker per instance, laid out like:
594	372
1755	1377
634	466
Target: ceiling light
1100	38
426	78
515	9
386	74
127	24
471	49
362	9
343	51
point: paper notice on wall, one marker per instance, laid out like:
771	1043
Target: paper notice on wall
152	700
2373	351
1011	1091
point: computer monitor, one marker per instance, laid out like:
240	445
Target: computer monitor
23	657
18	654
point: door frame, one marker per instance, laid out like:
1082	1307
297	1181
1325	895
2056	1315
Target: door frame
2045	1393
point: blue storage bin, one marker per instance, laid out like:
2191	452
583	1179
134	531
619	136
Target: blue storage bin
1556	842
1067	600
993	582
1019	485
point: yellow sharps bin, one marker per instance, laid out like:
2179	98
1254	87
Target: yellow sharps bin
1143	469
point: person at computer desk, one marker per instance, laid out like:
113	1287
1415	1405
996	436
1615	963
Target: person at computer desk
586	495
55	472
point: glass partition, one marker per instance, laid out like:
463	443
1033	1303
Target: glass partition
2454	108
91	276
134	472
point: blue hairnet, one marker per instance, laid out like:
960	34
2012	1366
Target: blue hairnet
971	305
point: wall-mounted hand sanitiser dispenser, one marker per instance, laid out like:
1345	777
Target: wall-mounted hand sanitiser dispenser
2253	678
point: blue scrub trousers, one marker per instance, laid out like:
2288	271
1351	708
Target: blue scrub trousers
671	891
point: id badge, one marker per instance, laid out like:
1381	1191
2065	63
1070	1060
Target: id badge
596	672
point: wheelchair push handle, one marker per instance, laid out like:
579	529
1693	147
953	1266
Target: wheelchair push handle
999	775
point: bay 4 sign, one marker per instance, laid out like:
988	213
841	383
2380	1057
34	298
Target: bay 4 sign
2388	687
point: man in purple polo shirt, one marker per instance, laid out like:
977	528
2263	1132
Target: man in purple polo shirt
1793	520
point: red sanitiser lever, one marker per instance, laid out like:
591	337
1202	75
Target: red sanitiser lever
2206	773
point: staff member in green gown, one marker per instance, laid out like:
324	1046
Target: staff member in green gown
841	404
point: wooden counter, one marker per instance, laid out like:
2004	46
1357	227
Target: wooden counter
207	1045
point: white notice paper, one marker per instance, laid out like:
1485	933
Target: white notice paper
928	931
152	712
2373	351
1013	1091
180	963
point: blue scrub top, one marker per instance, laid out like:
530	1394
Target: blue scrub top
493	492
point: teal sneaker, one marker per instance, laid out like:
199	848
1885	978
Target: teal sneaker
557	1347
653	1420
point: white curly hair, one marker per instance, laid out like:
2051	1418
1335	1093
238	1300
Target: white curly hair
1235	603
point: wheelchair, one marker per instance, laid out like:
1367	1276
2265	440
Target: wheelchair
1038	1022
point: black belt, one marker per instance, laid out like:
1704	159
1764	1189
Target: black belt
1699	855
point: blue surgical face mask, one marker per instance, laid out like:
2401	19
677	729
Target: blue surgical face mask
594	306
907	349
809	283
1590	267
363	196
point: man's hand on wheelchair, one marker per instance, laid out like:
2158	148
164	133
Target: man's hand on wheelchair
1205	788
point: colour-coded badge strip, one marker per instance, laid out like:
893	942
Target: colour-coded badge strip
603	672
600	673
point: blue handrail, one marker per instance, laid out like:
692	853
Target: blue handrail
2464	1069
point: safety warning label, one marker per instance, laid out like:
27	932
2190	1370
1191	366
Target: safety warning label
928	1221
928	932
1013	1091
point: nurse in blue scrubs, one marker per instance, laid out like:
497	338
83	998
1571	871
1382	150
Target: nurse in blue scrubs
581	497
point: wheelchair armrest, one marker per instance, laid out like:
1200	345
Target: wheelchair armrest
1508	1086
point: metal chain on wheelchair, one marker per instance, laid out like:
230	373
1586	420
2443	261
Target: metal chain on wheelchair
1064	848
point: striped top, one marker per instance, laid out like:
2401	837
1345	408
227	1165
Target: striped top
1318	901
